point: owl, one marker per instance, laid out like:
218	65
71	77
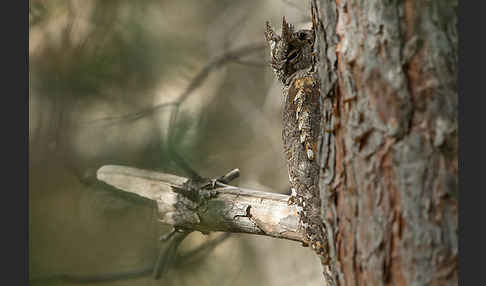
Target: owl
291	51
292	60
293	63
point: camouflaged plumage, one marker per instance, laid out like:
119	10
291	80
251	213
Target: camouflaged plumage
292	61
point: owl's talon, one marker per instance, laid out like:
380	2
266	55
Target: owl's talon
291	201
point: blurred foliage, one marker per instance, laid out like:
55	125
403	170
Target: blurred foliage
102	77
116	52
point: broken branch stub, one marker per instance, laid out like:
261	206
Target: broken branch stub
233	209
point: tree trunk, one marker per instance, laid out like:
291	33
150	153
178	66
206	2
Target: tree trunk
389	184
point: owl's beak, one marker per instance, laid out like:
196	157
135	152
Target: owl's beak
293	53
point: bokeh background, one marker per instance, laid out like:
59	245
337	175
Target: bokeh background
103	80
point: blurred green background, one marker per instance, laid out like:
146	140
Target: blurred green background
103	75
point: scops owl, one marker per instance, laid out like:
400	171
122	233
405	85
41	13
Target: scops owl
293	63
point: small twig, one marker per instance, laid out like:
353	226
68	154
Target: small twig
179	160
230	176
128	117
198	253
168	253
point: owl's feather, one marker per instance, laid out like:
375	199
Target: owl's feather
292	62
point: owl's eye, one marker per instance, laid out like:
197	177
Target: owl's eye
301	36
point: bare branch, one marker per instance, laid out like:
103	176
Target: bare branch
129	117
234	209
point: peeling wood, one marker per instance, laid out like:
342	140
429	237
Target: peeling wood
232	210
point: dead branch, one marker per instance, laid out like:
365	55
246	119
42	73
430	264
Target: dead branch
234	209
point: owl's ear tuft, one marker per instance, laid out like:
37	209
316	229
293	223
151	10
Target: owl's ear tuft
269	33
287	30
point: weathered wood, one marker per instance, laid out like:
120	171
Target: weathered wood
232	210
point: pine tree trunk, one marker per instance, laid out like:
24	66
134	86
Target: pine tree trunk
389	148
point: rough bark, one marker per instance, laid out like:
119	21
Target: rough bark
389	184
